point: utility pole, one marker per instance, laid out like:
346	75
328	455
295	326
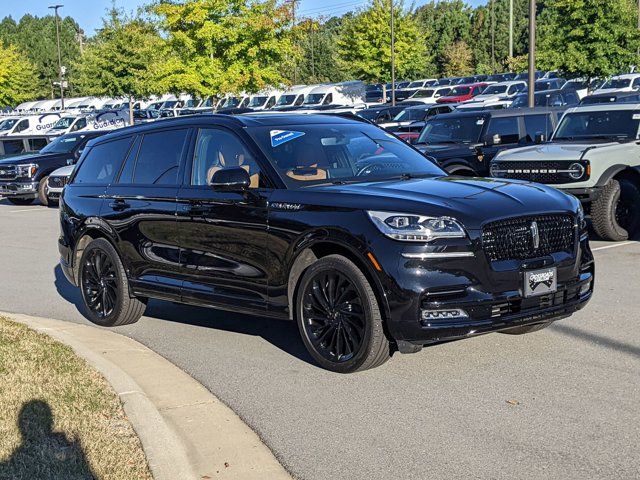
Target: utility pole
293	24
393	60
56	7
532	52
493	37
511	28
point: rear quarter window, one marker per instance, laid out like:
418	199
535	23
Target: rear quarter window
102	162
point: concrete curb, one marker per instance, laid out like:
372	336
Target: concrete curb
186	432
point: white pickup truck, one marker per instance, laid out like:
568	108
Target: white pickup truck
593	154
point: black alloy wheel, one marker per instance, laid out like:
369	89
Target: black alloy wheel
105	287
99	283
333	316
339	317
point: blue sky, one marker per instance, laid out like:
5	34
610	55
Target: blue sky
89	12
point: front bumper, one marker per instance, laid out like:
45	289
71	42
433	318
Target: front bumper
19	189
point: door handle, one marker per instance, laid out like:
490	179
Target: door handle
119	204
196	209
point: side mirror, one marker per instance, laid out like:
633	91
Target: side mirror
230	180
539	138
78	153
490	140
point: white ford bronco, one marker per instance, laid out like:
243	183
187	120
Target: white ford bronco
593	154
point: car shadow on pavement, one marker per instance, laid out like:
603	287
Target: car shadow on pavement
599	340
43	453
282	334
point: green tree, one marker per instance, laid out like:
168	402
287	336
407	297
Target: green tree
592	38
119	60
364	46
16	77
443	23
36	37
223	46
457	60
318	59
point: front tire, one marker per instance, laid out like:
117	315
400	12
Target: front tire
615	213
339	317
43	188
105	287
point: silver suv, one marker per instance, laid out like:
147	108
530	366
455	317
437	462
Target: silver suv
594	154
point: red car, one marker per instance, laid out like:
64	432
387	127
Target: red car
462	93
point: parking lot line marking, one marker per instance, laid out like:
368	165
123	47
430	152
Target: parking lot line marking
614	246
28	210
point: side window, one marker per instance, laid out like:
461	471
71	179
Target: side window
159	157
555	100
571	98
299	100
126	175
81	123
218	149
271	102
534	124
22	126
636	83
328	100
506	127
37	143
102	162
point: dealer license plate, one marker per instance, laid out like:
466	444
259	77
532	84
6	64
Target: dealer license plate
540	282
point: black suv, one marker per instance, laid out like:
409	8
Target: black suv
330	221
23	178
464	142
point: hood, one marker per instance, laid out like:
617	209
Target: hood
474	201
444	150
454	99
63	171
34	157
552	151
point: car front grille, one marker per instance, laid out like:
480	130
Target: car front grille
8	172
550	172
521	238
57	182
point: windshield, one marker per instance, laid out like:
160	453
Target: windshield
314	98
460	91
416	85
170	104
64	122
428	93
230	102
64	144
368	114
339	153
7	124
286	99
575	85
494	89
191	103
452	130
410	115
617	83
615	124
257	101
539	100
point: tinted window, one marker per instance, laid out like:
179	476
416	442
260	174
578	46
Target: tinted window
506	127
218	149
571	98
452	130
159	157
599	124
37	143
102	162
22	126
535	124
126	175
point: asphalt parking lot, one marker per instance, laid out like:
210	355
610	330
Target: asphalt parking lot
560	403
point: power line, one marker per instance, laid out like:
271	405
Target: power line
332	8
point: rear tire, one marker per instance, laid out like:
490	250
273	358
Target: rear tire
21	201
526	329
42	191
615	213
105	287
339	317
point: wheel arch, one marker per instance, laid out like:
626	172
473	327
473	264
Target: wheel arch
459	166
618	172
313	251
91	232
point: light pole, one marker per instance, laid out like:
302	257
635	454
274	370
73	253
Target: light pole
393	60
55	8
493	37
532	52
511	28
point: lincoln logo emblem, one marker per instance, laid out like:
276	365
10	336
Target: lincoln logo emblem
535	235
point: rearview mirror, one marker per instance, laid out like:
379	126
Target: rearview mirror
230	179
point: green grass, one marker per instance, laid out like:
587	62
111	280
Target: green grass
59	418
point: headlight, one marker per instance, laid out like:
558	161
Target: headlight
409	227
27	170
576	171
